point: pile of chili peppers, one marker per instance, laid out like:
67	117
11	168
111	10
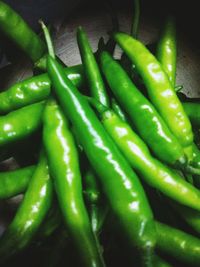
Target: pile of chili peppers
117	150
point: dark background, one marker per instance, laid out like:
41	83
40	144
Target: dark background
187	13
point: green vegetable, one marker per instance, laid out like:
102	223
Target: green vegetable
120	184
167	49
144	116
160	90
35	205
35	89
15	182
176	243
92	72
64	168
151	170
12	25
20	123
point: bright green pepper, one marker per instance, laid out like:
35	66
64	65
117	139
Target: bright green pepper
20	33
120	184
142	113
167	49
160	90
92	72
34	89
15	182
176	243
20	123
151	170
31	212
64	168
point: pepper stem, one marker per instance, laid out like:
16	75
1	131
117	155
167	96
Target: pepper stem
48	39
136	17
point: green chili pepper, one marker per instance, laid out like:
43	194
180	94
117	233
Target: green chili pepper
34	89
118	110
15	182
151	170
119	183
20	123
64	168
20	33
182	246
144	116
29	216
160	90
193	111
167	49
92	72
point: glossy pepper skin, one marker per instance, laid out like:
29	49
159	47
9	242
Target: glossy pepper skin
119	183
151	170
12	25
64	168
193	111
160	90
30	214
20	123
34	89
167	49
176	243
91	68
142	113
15	182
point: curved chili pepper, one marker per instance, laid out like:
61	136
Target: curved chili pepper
167	49
64	168
92	72
118	110
160	90
151	170
20	33
176	243
142	113
29	216
35	89
20	123
120	184
15	182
